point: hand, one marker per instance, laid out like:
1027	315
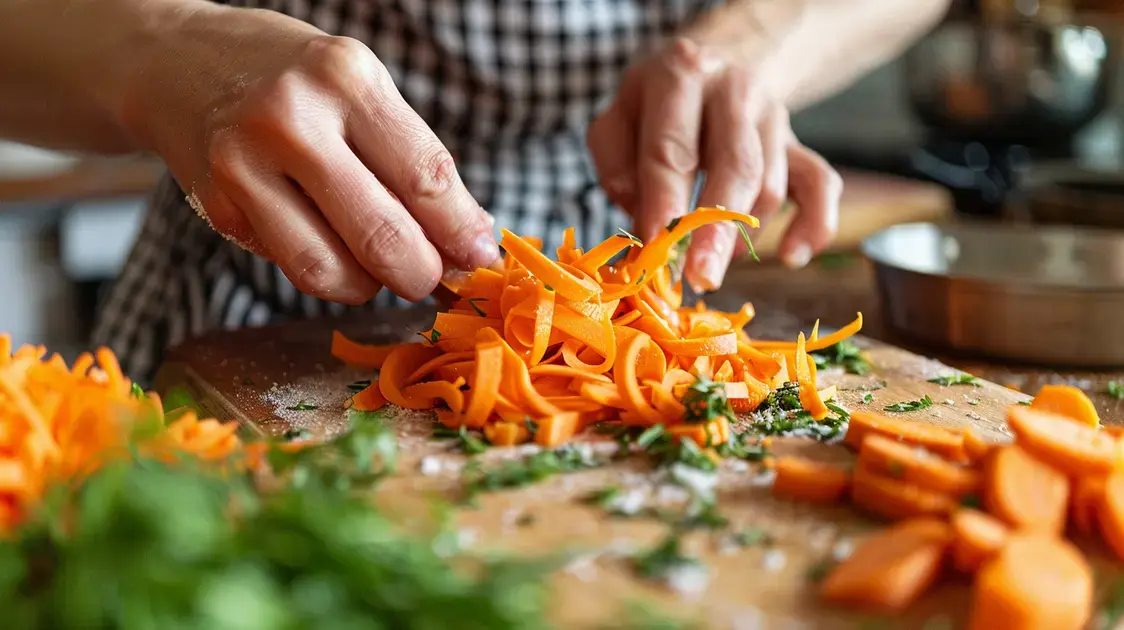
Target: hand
695	107
298	146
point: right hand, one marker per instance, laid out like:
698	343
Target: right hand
297	146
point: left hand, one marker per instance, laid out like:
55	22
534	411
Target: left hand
704	107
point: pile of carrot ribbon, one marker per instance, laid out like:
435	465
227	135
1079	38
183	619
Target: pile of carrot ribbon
590	336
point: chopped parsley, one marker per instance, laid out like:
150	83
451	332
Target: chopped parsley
603	497
136	390
302	406
970	501
782	414
671	225
643	274
532	426
910	405
819	570
748	243
523	472
868	398
1115	389
1112	610
359	386
663	558
956	379
466	441
706	401
293	435
844	354
548	288
626	234
751	536
479	311
973	402
432	336
1025	403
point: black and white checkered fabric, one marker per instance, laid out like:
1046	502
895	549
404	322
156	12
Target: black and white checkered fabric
508	85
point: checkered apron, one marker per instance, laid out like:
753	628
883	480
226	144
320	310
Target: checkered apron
508	85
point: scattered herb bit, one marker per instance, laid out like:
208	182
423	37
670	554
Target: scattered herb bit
956	379
650	435
532	426
1112	610
835	260
359	386
974	402
643	274
671	225
705	401
910	405
359	458
784	398
819	570
442	432
603	497
548	287
179	397
630	237
247	381
432	337
844	354
840	412
518	473
868	398
896	469
748	243
1025	403
704	515
479	311
970	501
470	443
302	406
663	558
137	391
1116	390
752	536
293	435
525	519
743	445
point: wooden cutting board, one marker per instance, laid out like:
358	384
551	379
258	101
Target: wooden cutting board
257	376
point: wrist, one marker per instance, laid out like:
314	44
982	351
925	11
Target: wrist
755	35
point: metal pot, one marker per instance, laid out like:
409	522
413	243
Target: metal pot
1012	81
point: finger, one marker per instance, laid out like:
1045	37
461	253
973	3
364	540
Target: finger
226	218
667	163
612	145
816	188
734	166
402	151
775	133
298	239
376	228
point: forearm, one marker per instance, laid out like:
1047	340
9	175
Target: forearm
808	49
67	68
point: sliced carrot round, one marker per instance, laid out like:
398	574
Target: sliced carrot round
1068	401
977	538
1025	492
1071	447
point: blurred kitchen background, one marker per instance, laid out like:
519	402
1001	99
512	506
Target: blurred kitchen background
1014	109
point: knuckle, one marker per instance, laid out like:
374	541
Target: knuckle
683	58
342	62
315	270
433	175
738	87
224	157
673	152
384	236
743	159
771	197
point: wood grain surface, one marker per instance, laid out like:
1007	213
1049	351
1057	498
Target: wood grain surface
259	376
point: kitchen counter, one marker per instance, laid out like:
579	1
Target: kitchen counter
84	179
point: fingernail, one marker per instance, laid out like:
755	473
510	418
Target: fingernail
484	251
799	256
708	274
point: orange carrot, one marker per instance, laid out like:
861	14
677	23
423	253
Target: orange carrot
1024	492
368	399
917	466
1087	497
889	570
809	480
895	499
977	538
357	354
1110	513
1036	582
946	443
1068	401
1069	446
975	447
809	396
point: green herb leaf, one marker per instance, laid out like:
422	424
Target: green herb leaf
661	559
531	425
359	386
136	390
910	405
634	239
302	406
748	243
868	398
1115	389
705	401
432	337
956	379
603	497
532	469
970	501
1025	403
479	311
844	354
548	287
672	224
819	570
470	443
643	274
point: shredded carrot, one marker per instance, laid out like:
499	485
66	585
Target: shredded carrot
601	332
